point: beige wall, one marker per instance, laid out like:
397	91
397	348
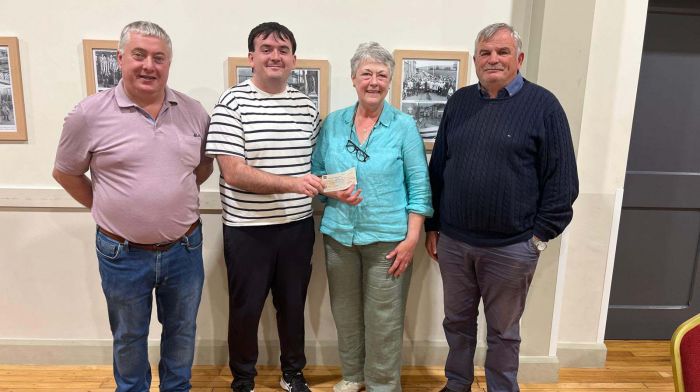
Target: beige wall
50	285
51	281
606	123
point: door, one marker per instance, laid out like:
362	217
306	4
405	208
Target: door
656	279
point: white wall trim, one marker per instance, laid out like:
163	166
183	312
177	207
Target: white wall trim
559	292
612	248
537	369
58	198
582	355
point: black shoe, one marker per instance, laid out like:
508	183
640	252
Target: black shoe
294	382
446	389
242	386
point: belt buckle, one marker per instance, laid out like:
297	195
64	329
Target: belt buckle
162	245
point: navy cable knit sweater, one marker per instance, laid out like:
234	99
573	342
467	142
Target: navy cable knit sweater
502	169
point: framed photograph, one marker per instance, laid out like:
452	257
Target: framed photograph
311	77
423	82
13	124
101	67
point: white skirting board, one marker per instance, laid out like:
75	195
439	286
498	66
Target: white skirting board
533	369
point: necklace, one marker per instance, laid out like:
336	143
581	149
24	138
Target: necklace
368	130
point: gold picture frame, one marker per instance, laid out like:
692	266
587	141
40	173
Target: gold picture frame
101	68
311	77
13	122
423	82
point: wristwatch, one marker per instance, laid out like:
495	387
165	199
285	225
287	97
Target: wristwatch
539	244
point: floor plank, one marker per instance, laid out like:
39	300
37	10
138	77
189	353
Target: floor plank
632	366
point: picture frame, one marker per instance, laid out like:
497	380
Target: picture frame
102	71
423	82
13	123
311	77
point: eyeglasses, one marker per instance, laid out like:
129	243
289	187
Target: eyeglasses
354	149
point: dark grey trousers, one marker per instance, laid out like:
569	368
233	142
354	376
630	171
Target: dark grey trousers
500	276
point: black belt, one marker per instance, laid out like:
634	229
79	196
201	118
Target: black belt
161	246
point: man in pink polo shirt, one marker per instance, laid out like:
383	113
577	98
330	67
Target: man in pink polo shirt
143	144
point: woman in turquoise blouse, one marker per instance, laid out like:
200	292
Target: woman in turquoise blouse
371	229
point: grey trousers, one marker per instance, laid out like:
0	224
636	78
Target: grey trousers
368	307
501	276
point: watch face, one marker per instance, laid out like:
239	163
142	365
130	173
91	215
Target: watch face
541	245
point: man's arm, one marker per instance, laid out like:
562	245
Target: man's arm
237	173
79	187
204	170
558	177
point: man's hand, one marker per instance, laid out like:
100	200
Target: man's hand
348	195
431	240
308	185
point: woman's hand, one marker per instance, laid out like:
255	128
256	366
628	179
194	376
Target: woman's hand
402	255
347	195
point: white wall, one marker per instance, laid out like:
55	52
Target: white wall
49	288
50	283
204	34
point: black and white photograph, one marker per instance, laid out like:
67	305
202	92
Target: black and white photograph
306	81
310	77
107	72
425	81
427	116
243	74
426	85
428	80
7	111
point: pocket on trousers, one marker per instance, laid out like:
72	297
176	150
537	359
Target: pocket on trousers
195	240
107	247
532	247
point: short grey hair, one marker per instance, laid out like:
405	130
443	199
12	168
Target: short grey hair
489	31
373	52
147	29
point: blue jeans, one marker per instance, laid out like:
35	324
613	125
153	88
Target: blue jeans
129	276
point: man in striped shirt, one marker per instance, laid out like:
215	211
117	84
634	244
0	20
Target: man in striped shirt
262	133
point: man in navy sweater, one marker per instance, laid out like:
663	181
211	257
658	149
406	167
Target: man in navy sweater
503	175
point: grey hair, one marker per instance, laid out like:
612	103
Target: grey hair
489	31
147	29
371	51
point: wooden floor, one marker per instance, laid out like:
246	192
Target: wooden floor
631	366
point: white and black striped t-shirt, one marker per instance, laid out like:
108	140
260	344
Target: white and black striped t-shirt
272	132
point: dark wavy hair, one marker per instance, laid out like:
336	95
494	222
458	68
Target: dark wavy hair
267	28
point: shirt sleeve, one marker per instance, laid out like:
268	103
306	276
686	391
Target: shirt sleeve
225	135
416	172
204	121
73	154
317	129
318	164
558	177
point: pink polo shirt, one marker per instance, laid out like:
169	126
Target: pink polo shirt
144	187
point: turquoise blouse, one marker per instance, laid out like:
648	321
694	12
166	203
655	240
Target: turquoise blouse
394	180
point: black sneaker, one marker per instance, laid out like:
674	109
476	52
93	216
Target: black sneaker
242	386
294	382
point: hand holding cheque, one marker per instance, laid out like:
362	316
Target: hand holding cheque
341	186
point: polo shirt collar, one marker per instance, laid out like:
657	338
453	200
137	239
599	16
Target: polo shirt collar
124	101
